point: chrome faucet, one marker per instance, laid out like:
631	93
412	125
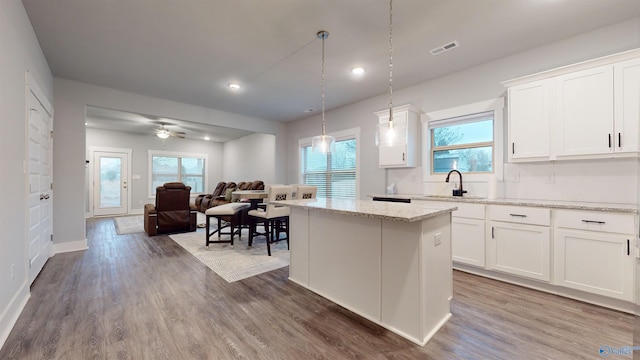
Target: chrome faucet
456	192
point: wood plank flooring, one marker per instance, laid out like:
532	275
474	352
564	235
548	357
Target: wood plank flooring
136	297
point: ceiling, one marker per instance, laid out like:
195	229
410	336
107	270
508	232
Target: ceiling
142	124
189	51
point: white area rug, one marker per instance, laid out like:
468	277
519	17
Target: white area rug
135	223
235	262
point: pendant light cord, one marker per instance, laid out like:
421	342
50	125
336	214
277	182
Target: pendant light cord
390	62
324	36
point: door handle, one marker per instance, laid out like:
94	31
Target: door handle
46	197
41	196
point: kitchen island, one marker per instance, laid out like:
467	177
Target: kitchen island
388	262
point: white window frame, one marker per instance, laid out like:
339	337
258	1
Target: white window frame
353	133
495	105
179	154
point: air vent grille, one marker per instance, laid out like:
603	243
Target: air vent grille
445	47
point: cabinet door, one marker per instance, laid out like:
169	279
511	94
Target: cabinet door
519	249
392	155
529	114
598	263
627	105
467	240
585	112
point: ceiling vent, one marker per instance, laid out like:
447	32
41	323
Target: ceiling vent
445	47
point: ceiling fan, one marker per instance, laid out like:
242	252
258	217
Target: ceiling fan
164	133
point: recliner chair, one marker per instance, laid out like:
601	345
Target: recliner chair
172	212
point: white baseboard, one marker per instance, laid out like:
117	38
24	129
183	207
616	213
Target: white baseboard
70	246
10	315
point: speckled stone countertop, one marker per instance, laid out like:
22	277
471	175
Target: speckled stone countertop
551	204
370	209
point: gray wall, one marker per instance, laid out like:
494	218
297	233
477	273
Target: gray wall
140	144
19	51
472	85
251	158
71	99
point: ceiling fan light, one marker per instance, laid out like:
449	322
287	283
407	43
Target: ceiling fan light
163	134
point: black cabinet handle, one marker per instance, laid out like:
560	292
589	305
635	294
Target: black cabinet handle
609	140
628	247
593	222
493	233
402	156
513	148
518	215
619	140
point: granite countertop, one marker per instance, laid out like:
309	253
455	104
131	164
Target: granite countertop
371	209
551	204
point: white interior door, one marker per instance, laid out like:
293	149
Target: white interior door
110	183
40	196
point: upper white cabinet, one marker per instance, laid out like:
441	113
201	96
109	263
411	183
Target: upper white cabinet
396	156
529	115
584	104
587	110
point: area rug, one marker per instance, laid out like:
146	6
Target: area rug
135	223
235	262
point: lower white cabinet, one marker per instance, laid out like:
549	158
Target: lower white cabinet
467	241
591	255
519	241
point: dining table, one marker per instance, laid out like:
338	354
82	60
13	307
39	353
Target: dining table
254	196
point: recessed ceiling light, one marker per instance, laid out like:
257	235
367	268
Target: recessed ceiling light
85	124
234	86
207	138
357	70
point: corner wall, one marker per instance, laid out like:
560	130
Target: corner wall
19	52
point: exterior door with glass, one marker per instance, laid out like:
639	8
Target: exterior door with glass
110	183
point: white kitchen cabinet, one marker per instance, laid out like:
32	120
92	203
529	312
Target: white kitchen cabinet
397	156
585	112
593	252
582	111
529	116
467	232
519	241
627	107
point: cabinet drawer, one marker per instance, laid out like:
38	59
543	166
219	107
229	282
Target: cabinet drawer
520	214
596	221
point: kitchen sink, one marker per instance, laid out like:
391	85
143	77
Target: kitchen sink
435	196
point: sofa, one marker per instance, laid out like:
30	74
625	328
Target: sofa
172	211
221	194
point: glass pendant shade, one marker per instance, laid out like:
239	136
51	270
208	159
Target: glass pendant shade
391	133
323	144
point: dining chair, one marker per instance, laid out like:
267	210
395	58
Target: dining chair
270	217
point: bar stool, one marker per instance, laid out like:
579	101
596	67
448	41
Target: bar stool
271	216
232	214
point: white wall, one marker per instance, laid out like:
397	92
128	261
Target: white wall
19	51
250	158
140	144
71	99
614	182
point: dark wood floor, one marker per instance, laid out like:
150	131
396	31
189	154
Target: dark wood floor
135	297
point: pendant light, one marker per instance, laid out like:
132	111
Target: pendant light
324	143
391	133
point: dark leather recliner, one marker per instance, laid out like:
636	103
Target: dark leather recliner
172	212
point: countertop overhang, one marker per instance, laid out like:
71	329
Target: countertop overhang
370	209
552	204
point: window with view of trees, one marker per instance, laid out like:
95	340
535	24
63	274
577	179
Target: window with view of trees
334	174
186	168
465	144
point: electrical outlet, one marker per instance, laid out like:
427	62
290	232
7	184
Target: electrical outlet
13	271
437	239
551	178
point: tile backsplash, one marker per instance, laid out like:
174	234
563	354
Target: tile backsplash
603	180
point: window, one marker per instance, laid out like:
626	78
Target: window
464	144
334	174
189	169
468	138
